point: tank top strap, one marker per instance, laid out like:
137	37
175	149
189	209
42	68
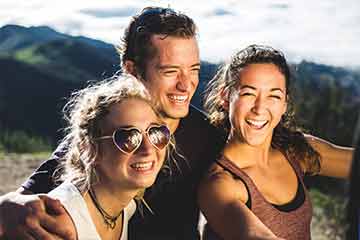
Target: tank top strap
292	224
229	166
295	165
236	172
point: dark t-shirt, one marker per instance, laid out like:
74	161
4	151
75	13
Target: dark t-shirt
173	196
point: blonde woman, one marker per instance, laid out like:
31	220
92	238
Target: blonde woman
117	144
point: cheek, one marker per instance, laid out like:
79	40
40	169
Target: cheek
107	148
195	80
112	166
161	155
278	112
154	83
111	155
159	88
235	117
238	109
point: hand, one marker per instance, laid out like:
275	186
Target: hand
34	217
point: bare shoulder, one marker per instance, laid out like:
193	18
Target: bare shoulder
220	186
221	199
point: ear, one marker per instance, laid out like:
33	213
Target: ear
98	152
285	108
285	105
224	94
129	67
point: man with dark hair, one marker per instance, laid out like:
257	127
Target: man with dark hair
159	48
136	44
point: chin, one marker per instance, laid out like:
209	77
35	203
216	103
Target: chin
178	114
145	183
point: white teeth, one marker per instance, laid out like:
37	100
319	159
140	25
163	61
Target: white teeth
257	123
178	98
142	166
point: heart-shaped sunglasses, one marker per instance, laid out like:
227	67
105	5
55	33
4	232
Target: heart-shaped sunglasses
128	139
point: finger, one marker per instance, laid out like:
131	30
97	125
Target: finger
44	225
40	233
61	225
52	206
63	238
35	229
36	214
27	236
35	207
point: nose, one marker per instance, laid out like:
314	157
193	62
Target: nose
259	105
183	81
145	147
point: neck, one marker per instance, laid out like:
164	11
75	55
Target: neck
106	209
110	199
172	124
249	154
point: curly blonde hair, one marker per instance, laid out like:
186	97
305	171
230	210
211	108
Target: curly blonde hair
84	113
287	137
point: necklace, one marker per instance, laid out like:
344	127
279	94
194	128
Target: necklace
109	220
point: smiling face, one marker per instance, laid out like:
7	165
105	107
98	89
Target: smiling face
172	74
130	171
257	104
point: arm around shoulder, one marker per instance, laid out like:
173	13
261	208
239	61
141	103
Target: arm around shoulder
222	200
33	216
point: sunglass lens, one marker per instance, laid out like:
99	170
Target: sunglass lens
127	140
159	136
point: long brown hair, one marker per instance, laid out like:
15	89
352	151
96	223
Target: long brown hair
287	136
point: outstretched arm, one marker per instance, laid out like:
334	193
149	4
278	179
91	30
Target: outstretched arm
221	199
335	160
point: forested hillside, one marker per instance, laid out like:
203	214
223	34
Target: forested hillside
40	68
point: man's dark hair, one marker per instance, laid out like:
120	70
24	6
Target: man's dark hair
136	45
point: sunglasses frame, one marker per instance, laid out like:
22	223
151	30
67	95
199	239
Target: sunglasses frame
141	134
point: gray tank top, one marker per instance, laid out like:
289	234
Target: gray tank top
291	224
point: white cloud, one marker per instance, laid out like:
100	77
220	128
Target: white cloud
325	31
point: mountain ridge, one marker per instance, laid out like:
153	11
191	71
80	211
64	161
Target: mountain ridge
54	63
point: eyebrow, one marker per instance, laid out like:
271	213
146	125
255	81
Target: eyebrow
133	126
176	66
247	86
253	88
277	89
195	65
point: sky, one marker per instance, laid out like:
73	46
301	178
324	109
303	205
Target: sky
322	31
